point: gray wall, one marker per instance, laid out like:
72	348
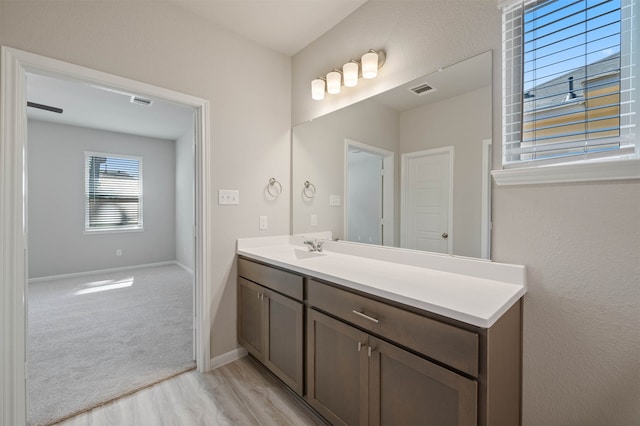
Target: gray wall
463	122
160	44
318	152
580	242
57	243
185	176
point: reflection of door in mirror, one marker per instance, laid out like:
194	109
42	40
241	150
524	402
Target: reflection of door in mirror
427	195
364	197
369	200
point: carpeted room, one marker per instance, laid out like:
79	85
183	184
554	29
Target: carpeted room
110	310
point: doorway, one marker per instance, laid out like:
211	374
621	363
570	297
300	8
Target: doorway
427	200
13	256
369	187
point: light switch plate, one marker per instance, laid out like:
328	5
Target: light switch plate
334	200
264	224
228	197
314	220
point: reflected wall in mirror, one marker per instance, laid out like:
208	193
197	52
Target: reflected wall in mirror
406	168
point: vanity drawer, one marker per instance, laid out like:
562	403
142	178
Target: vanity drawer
276	279
451	345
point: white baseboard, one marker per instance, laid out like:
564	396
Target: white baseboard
101	271
184	267
228	357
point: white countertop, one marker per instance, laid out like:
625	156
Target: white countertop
473	291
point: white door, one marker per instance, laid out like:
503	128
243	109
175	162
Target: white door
427	183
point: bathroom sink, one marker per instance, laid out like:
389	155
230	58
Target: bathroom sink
301	254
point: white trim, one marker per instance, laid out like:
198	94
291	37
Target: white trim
566	173
228	357
403	192
183	267
13	242
485	221
13	237
102	271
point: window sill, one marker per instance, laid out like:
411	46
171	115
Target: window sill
111	231
567	173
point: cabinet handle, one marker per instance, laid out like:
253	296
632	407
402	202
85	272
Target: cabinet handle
359	346
371	350
365	316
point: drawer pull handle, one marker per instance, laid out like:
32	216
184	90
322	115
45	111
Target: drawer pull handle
365	316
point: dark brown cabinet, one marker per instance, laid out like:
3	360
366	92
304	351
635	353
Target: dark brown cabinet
354	378
358	359
337	370
270	327
405	389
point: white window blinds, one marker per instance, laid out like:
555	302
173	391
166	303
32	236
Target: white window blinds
569	81
113	189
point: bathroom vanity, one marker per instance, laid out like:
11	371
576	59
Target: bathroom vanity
372	335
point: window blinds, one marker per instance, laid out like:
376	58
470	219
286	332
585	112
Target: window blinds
113	192
568	80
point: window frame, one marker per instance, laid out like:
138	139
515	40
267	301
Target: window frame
112	229
622	167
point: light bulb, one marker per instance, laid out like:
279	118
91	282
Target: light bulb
350	74
334	80
369	65
317	89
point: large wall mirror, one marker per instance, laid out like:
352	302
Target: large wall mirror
407	168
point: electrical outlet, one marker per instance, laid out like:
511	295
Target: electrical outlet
228	197
119	252
264	224
334	200
314	220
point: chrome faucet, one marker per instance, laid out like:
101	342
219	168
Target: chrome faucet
314	245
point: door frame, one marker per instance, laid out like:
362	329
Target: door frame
485	222
388	188
13	209
404	160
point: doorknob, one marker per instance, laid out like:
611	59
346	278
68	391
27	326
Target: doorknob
445	235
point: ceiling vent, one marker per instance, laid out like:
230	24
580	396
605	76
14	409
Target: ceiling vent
423	89
141	101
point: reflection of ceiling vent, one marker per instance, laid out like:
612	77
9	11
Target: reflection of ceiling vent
423	89
140	101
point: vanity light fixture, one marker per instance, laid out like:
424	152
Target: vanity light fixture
370	64
334	81
317	89
367	68
350	72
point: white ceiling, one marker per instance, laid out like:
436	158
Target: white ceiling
87	105
285	26
453	80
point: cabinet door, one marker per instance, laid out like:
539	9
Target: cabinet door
337	364
408	390
284	346
251	322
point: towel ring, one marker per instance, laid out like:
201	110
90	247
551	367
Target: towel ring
275	186
309	189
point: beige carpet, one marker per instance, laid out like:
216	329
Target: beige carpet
95	338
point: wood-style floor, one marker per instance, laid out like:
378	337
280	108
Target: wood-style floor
239	393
